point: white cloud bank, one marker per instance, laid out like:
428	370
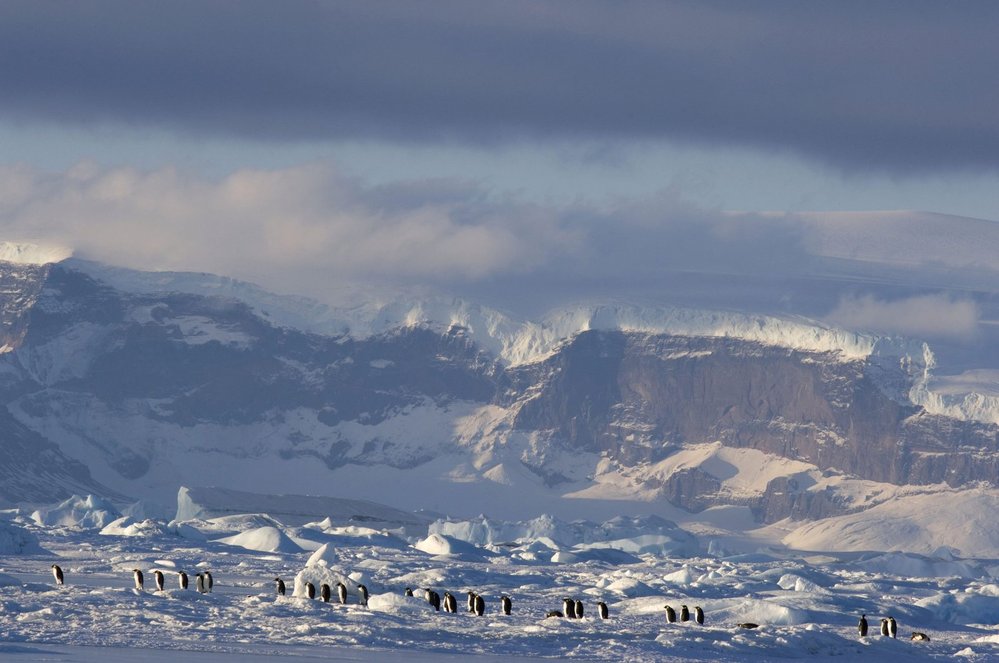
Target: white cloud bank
311	228
923	316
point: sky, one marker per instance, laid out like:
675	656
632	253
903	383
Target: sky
493	149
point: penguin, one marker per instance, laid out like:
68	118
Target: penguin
310	590
920	637
862	626
471	601
409	591
554	613
208	581
450	603
199	583
435	600
480	606
362	595
569	608
748	625
892	627
684	614
182	579
324	592
158	577
137	576
698	615
341	593
884	627
670	615
57	574
602	609
279	585
579	609
506	605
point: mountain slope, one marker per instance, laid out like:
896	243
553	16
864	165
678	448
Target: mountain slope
450	406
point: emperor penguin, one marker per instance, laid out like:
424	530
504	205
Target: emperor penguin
325	592
569	608
450	603
602	610
137	576
57	574
409	591
279	585
341	593
884	627
670	615
208	581
158	577
862	626
506	605
182	579
892	627
471	601
480	606
362	595
310	590
919	636
684	613
199	583
579	609
435	599
698	615
749	625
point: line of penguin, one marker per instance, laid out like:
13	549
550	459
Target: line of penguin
203	581
572	608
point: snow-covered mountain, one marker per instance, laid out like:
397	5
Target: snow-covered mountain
133	384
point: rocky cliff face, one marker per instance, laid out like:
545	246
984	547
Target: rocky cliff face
137	392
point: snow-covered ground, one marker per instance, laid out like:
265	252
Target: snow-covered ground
807	605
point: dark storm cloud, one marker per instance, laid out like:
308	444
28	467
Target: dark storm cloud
901	86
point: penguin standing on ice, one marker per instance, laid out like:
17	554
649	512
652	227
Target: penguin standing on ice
602	610
158	577
480	606
409	591
199	583
208	581
698	615
341	593
450	603
310	590
363	595
862	626
579	609
182	579
57	574
569	608
506	605
684	613
325	592
471	601
279	585
670	615
433	598
892	627
137	577
884	627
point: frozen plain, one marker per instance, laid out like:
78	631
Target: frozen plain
807	605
